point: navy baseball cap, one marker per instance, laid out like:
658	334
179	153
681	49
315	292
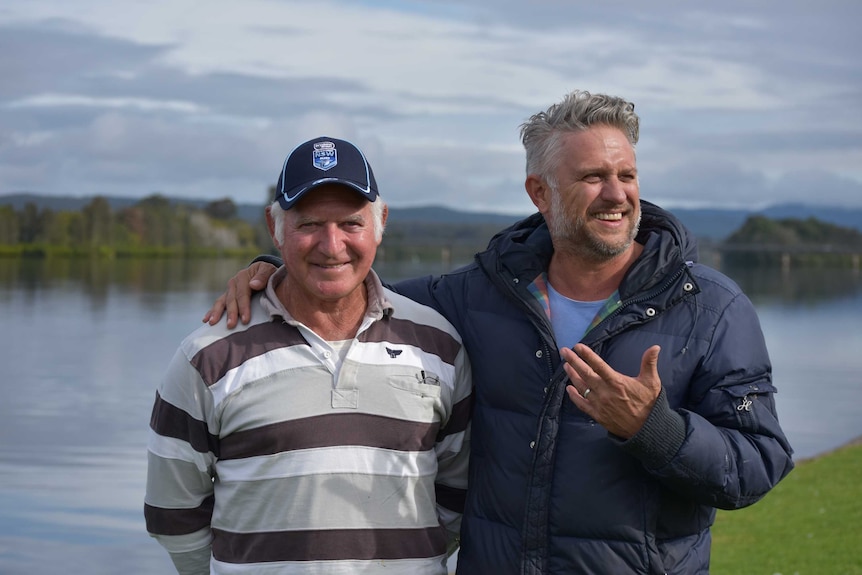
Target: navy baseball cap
322	161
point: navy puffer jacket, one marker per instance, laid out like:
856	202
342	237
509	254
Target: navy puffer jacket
550	490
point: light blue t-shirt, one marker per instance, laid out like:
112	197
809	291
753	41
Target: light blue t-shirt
570	318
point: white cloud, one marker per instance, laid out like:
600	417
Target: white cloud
206	99
73	100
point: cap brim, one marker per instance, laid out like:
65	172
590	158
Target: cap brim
288	199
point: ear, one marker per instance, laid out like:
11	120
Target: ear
380	229
539	192
270	225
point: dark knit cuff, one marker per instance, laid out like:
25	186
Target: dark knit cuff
661	436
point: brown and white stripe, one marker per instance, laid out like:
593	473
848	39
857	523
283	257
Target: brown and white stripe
258	448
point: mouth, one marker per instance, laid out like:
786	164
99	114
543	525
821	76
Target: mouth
609	216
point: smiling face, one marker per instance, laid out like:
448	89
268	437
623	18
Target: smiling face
328	244
593	211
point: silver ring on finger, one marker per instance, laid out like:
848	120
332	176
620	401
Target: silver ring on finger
586	392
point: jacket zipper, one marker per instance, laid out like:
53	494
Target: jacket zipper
664	287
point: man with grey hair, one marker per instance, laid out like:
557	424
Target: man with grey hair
623	391
330	434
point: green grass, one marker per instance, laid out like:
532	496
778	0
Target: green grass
810	524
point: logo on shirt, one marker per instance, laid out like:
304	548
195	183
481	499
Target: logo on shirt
393	353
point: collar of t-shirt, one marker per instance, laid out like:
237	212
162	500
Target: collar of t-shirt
570	318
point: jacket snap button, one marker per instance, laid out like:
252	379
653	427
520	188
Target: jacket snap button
532	445
650	311
688	286
516	280
539	353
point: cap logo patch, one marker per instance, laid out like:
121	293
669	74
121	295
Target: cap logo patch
324	156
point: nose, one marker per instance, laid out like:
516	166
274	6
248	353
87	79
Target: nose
614	190
331	240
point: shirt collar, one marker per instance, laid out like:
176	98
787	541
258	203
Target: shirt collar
378	305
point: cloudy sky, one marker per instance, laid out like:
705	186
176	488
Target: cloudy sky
741	103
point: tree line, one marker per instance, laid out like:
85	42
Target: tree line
759	230
765	241
159	226
153	226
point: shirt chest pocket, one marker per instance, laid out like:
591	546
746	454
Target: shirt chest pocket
419	382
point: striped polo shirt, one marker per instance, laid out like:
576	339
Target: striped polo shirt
267	456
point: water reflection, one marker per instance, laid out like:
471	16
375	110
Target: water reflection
796	286
96	278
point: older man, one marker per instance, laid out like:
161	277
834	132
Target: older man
330	434
623	392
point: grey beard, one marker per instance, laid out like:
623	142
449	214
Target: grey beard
570	236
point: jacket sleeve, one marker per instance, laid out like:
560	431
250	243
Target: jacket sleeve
269	259
725	448
179	497
454	439
434	292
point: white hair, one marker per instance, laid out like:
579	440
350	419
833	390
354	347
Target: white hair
577	112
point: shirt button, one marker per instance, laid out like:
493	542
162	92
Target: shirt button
327	354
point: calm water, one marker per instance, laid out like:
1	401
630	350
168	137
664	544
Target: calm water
83	347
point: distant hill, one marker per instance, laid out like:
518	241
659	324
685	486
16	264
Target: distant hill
794	232
718	224
710	223
713	223
443	215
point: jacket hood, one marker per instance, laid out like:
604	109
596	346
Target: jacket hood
656	220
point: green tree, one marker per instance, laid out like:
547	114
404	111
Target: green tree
762	230
31	224
8	226
133	224
224	209
66	229
793	232
98	222
163	223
